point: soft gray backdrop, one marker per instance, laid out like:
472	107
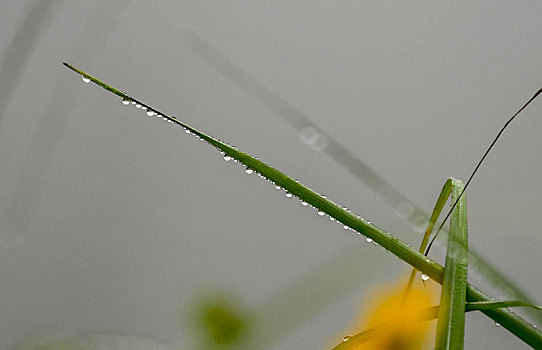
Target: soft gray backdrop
111	221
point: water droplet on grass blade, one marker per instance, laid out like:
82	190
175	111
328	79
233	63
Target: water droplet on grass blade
424	277
150	113
125	102
289	195
85	79
369	240
347	338
227	158
321	213
249	171
303	203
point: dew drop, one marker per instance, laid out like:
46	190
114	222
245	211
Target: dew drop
138	105
187	131
321	213
369	240
125	102
314	138
303	203
289	195
227	158
425	277
497	324
133	102
331	218
144	108
150	113
249	171
346	227
347	338
85	79
277	187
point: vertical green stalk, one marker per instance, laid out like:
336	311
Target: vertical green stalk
451	321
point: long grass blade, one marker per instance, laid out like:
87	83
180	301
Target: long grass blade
451	322
441	201
488	305
508	320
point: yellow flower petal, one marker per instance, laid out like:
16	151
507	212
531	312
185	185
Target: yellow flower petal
395	320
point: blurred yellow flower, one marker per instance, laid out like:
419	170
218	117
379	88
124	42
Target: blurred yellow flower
395	320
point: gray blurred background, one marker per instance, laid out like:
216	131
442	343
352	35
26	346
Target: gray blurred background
111	221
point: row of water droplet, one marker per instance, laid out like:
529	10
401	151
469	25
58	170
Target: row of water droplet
317	140
153	113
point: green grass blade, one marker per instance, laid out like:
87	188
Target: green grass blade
508	320
524	330
441	201
342	215
488	305
499	283
451	322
